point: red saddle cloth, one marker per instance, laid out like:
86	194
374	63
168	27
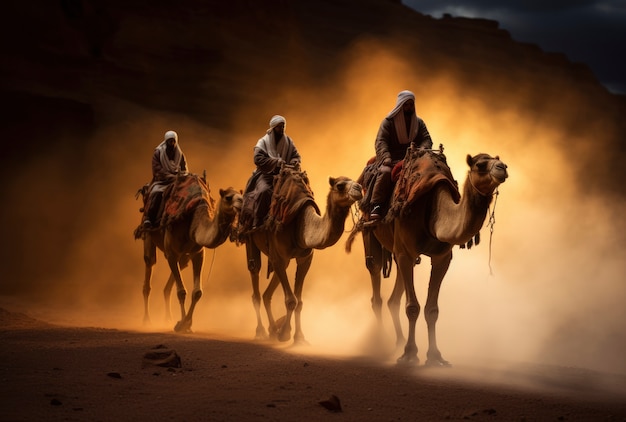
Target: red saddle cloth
291	192
183	196
420	173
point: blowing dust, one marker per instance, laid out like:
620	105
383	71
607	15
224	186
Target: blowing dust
546	286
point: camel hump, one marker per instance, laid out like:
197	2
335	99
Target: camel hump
422	170
183	196
291	192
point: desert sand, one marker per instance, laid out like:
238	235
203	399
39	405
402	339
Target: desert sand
58	372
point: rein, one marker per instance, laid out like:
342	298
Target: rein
491	223
492	214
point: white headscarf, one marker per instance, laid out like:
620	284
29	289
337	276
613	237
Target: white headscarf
275	121
398	118
275	148
172	166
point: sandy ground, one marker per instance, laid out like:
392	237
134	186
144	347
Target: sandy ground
59	372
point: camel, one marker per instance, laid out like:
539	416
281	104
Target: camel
295	236
191	222
429	218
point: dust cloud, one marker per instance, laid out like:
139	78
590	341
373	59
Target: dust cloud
546	286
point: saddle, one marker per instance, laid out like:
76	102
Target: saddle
179	199
291	192
413	177
421	171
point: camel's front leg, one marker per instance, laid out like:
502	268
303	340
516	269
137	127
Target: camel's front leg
180	287
280	272
149	258
267	303
438	271
394	309
253	255
197	261
303	265
405	273
374	264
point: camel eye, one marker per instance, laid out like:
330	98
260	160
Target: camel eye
481	166
341	186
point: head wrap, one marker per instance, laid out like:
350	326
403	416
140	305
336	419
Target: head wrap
403	97
276	120
171	134
399	121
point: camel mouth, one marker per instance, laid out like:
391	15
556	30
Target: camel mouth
500	174
356	192
500	178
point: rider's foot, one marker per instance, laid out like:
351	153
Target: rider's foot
376	213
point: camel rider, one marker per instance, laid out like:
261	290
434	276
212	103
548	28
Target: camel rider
270	153
168	161
401	127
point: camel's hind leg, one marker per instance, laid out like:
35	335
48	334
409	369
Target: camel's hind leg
303	265
149	258
253	255
167	293
394	309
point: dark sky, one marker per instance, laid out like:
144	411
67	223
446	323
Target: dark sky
591	32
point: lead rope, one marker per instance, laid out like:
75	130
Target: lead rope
206	281
491	224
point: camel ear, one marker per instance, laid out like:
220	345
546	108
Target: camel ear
331	180
469	160
222	192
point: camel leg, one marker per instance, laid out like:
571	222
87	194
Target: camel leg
394	308
280	271
374	264
167	293
267	303
405	274
438	271
197	261
253	255
301	271
149	258
180	287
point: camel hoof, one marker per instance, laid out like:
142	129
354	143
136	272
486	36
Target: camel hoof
300	341
183	326
437	363
284	334
408	360
261	334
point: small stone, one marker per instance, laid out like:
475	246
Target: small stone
333	403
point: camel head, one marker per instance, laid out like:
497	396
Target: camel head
486	173
344	191
231	201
